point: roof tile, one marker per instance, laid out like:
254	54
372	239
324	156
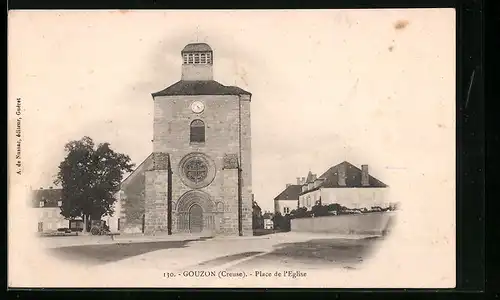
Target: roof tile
353	177
49	196
290	193
200	87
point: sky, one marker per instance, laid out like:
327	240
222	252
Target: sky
366	86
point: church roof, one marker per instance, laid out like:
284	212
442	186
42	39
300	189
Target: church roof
353	177
139	169
200	87
197	47
290	193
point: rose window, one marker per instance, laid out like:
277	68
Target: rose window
196	169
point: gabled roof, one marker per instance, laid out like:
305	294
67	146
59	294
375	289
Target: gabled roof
290	193
353	177
199	87
49	196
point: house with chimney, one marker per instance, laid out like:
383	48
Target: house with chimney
47	202
344	184
288	199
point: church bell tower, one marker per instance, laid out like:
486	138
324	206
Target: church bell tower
197	62
199	180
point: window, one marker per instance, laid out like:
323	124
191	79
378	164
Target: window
42	203
197	133
209	58
196	169
40	226
185	58
190	58
203	58
59	203
197	58
286	210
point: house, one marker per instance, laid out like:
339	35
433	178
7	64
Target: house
344	184
268	220
288	199
47	203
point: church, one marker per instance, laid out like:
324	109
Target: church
198	179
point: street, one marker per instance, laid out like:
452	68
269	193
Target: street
275	260
185	253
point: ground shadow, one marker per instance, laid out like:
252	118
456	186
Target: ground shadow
225	259
317	253
100	254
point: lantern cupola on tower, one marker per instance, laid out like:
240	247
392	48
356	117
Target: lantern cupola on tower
197	62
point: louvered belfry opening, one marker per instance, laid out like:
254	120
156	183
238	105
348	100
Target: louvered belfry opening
197	131
197	58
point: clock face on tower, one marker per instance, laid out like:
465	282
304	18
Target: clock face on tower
197	107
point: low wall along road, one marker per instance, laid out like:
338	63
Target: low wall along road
376	223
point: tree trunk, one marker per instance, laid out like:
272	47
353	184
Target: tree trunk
88	224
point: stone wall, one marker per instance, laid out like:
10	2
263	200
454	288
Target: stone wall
369	223
156	204
132	198
246	164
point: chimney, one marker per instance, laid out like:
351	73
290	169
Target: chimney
342	175
365	177
299	182
314	177
303	180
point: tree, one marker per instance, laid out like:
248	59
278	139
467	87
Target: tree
90	176
335	207
278	220
319	210
298	213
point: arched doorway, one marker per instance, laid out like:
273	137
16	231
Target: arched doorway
194	212
195	218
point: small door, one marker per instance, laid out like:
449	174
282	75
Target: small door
195	219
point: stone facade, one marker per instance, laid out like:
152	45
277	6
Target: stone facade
156	200
132	199
207	182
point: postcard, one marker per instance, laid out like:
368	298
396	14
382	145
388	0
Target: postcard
235	148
